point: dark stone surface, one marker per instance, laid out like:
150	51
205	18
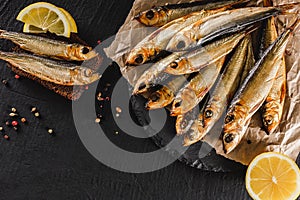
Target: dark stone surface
35	165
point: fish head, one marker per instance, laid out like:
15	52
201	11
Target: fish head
271	117
178	67
195	133
235	126
81	52
87	76
181	41
160	98
142	86
184	102
184	122
141	55
210	113
151	17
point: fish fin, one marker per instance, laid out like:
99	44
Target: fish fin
283	92
257	106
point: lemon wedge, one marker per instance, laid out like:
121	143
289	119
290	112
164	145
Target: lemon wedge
273	176
42	17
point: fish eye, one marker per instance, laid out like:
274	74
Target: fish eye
268	121
178	104
150	14
139	59
229	119
154	97
209	113
174	65
88	72
85	50
229	138
180	45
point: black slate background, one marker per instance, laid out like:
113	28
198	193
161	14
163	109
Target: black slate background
35	165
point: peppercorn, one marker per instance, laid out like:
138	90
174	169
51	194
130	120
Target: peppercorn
37	114
14	123
23	120
4	82
50	131
13	114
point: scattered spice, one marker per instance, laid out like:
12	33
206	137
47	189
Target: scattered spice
99	42
117	115
14	123
13	114
7	123
4	82
15	128
33	109
13	110
6	137
86	87
117	132
37	114
23	120
97	120
50	131
1	128
17	76
118	109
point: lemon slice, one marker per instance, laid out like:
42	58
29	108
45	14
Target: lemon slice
47	17
27	28
71	20
273	176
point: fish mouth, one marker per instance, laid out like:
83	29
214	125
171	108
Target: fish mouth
176	108
91	54
230	141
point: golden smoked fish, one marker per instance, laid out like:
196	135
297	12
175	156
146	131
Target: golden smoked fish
155	74
48	47
159	16
272	109
253	93
57	72
204	56
227	85
195	90
210	27
165	95
152	45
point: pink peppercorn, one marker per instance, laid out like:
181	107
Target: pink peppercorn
14	123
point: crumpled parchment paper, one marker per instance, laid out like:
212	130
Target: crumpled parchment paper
286	140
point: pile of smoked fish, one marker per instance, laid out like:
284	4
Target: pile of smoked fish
50	60
205	66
